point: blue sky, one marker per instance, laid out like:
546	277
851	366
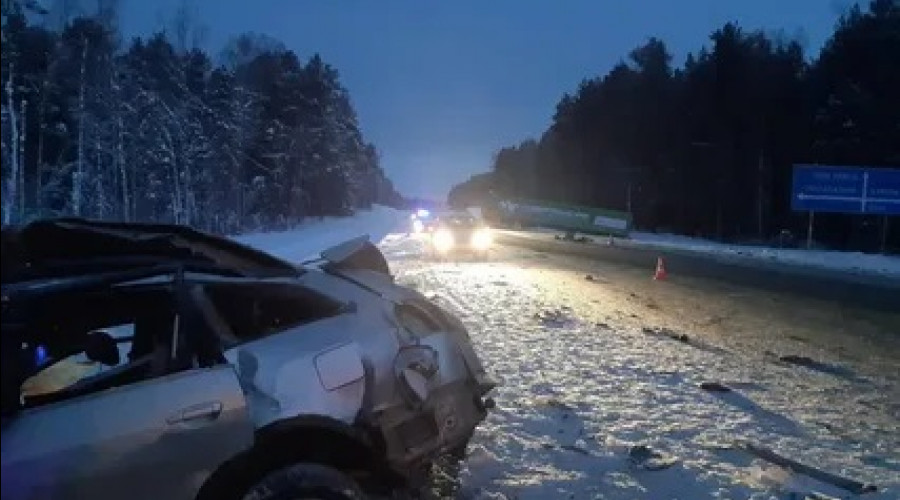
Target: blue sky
439	86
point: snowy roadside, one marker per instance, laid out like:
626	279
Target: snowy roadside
846	261
310	238
854	262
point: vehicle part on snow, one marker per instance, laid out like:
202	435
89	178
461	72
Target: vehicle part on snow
666	332
714	387
769	455
818	366
555	318
645	457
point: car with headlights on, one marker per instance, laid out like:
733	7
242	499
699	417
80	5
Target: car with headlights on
149	361
460	233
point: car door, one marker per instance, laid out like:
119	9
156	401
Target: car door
158	438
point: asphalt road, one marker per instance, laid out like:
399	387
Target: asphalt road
871	291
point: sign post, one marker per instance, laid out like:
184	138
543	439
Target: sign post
849	190
809	230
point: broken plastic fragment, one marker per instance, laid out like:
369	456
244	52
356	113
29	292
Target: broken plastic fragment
644	457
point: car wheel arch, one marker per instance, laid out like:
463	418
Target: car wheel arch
318	439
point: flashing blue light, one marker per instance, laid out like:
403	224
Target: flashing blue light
423	212
40	354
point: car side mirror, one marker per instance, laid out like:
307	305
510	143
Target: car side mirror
101	347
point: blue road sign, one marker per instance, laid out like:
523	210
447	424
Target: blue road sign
852	190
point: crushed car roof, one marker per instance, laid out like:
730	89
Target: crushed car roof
64	247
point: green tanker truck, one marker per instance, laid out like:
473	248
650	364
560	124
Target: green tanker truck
565	217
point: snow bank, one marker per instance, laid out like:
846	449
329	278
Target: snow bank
308	239
846	261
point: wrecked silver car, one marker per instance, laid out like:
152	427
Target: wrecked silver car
155	361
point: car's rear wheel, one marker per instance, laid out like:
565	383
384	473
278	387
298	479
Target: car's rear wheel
306	481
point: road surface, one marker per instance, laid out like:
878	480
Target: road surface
858	288
597	359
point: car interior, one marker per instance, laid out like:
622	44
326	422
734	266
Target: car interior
72	352
71	341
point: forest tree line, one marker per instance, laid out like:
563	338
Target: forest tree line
156	130
707	148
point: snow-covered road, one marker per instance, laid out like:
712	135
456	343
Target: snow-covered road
591	372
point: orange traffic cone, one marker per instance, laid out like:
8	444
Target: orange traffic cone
660	273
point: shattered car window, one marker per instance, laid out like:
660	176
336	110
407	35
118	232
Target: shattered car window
252	311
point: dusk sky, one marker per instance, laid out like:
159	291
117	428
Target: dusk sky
439	86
